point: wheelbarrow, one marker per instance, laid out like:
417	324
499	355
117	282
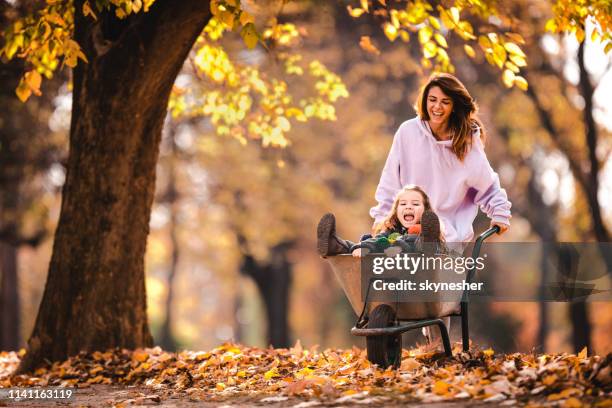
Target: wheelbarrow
383	324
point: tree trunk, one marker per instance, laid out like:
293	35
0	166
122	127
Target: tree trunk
541	216
94	296
581	325
578	310
273	280
9	299
592	177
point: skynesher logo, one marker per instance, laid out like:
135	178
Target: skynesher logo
412	263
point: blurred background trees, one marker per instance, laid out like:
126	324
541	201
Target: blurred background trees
32	146
231	254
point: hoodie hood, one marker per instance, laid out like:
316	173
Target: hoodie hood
424	126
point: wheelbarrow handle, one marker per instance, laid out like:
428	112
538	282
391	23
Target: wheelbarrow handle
481	238
476	251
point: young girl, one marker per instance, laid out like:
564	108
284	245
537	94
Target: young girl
410	216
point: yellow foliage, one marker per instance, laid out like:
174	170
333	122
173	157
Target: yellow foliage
508	78
390	31
419	16
572	16
44	49
355	12
249	35
469	51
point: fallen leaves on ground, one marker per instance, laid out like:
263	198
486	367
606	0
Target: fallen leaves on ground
336	376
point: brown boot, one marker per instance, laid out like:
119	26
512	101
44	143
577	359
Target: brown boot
328	243
430	232
430	227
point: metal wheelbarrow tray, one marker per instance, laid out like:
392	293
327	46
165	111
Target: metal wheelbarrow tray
383	324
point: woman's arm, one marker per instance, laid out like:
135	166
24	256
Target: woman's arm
389	183
490	197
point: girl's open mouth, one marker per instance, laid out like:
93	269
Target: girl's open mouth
409	217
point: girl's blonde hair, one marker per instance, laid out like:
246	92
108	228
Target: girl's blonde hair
392	222
463	119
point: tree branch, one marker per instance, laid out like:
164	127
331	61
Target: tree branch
592	179
555	135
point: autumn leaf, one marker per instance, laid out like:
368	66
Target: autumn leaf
441	388
271	373
140	356
508	79
469	51
87	11
355	12
520	82
364	5
249	35
390	31
514	49
366	44
410	364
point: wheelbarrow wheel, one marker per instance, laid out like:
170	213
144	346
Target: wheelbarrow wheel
384	351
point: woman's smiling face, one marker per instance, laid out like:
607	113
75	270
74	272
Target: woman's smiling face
410	208
439	106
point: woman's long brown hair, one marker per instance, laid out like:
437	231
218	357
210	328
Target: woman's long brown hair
392	222
463	119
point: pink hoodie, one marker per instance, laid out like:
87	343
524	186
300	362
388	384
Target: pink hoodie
456	189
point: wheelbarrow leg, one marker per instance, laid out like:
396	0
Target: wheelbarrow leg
465	331
445	338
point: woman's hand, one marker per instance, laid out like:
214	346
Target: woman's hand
357	253
502	227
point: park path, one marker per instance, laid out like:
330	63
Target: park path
106	396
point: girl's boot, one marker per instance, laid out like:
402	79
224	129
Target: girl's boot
328	242
429	241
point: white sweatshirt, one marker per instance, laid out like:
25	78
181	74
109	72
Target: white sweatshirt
456	189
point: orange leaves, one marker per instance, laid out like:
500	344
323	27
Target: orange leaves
441	388
30	83
410	364
366	44
87	11
336	376
140	356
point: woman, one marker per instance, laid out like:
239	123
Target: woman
441	150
